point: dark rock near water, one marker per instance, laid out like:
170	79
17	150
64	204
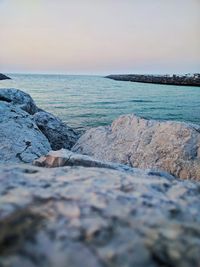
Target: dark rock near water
20	138
58	133
94	217
190	80
4	77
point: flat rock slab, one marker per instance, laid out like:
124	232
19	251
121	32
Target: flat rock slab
173	147
95	217
64	157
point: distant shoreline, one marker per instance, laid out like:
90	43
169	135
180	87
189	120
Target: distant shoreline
181	80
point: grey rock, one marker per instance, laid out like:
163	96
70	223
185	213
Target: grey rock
96	217
20	138
169	146
58	133
19	98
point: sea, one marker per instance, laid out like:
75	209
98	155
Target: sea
89	101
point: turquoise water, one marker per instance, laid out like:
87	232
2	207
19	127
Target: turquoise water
87	101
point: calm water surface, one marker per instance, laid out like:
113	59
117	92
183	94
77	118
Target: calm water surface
88	101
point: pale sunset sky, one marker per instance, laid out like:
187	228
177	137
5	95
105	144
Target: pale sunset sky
99	36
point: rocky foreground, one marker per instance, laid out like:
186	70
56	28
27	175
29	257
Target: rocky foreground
189	80
96	210
92	217
4	77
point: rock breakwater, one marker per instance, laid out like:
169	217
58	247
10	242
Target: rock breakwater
187	80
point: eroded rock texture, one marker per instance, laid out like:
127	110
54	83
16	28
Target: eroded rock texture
92	217
20	138
170	146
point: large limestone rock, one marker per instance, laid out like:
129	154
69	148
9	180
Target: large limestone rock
19	98
170	146
92	217
20	138
58	133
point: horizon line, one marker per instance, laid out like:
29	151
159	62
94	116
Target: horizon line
98	74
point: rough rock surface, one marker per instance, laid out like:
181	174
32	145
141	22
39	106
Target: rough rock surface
4	77
19	98
58	133
94	217
20	138
170	146
66	157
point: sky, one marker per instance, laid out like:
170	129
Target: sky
99	36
